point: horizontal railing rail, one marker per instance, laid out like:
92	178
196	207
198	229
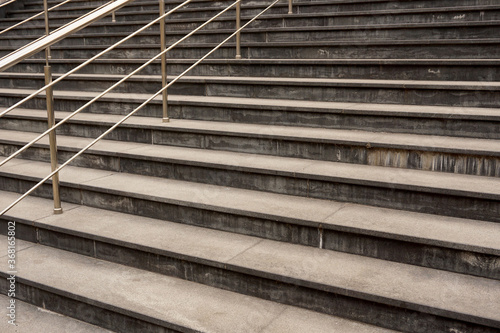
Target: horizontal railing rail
165	86
116	84
97	56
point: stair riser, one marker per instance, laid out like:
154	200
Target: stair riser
229	278
153	13
289	36
30	5
486	129
465	72
134	5
359	5
361	192
341	93
149	11
359	51
387	249
328	302
86	310
337	152
80	8
395	18
295	21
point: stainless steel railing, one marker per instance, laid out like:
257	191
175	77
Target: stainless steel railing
6	3
34	16
163	91
60	33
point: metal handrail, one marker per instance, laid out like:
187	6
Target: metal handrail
123	79
46	41
164	88
7	3
61	27
32	17
100	54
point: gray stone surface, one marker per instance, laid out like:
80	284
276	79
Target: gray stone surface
445	292
350	52
159	297
375	139
30	318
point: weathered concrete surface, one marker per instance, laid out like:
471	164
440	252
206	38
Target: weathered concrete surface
30	318
155	298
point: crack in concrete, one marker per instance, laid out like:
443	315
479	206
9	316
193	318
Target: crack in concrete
245	250
344	205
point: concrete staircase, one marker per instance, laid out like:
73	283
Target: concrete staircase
342	177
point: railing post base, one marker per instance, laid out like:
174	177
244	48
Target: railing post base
166	120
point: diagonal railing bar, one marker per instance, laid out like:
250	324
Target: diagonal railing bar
34	16
74	113
41	182
7	3
100	54
56	30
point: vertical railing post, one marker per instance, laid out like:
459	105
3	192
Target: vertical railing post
49	96
52	140
290	9
163	46
47	28
238	34
113	17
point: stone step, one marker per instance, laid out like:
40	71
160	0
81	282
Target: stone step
340	4
423	15
450	121
471	30
434	153
107	294
413	92
445	194
364	18
204	8
151	12
391	69
30	318
469	246
359	49
275	271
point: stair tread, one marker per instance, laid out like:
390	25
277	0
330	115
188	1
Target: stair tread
190	305
36	319
457	145
289	81
392	26
394	178
437	230
394	11
357	42
251	61
419	288
450	112
308	15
